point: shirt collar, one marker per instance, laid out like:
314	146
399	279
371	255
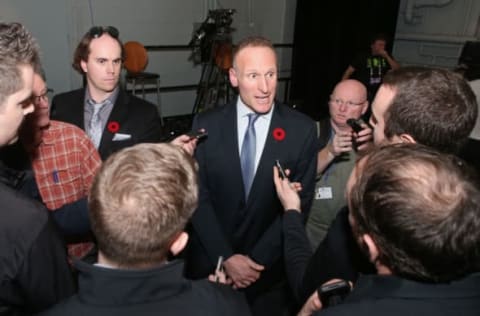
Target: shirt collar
243	110
111	98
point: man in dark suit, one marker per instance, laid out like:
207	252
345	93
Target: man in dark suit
239	214
112	118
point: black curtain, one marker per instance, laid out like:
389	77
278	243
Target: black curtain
327	36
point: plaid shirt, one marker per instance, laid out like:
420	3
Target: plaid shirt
65	164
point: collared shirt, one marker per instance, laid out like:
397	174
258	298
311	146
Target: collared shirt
104	112
262	124
65	164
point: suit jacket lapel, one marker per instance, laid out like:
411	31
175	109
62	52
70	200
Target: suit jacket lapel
118	114
230	139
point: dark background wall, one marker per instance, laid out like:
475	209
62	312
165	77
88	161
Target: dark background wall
327	36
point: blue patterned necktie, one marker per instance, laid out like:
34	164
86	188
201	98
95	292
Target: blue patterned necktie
95	129
247	154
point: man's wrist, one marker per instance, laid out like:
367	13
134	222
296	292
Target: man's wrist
292	210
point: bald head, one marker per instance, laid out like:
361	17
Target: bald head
348	100
352	86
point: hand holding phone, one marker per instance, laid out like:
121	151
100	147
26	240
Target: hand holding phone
283	175
201	133
333	293
356	124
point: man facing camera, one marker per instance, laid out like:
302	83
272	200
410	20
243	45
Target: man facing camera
239	214
140	201
339	145
112	118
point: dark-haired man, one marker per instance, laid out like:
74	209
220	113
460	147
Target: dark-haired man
415	213
433	107
112	118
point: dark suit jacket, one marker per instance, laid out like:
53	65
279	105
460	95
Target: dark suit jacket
135	117
224	223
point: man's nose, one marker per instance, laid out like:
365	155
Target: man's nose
263	84
110	67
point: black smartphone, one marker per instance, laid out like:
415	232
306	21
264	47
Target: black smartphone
355	124
333	293
283	175
198	134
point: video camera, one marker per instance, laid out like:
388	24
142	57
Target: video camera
216	24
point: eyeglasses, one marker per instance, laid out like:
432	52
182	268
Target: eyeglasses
97	31
348	103
45	96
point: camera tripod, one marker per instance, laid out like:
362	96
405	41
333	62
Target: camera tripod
214	86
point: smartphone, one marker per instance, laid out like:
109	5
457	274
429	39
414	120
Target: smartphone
219	268
333	293
197	134
283	175
355	124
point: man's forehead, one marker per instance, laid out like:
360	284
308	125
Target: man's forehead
351	88
105	47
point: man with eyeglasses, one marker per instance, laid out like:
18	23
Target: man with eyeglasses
112	118
63	161
337	157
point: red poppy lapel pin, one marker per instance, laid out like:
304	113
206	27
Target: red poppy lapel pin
113	127
279	134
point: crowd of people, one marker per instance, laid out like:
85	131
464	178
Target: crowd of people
270	214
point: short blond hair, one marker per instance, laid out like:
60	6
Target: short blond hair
140	200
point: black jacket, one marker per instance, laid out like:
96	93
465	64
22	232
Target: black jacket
159	291
337	256
390	295
34	272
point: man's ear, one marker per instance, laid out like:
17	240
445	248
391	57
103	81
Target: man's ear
407	138
83	64
371	246
232	73
179	243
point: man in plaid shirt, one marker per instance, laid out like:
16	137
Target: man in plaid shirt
63	158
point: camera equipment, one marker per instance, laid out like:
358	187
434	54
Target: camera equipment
212	47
